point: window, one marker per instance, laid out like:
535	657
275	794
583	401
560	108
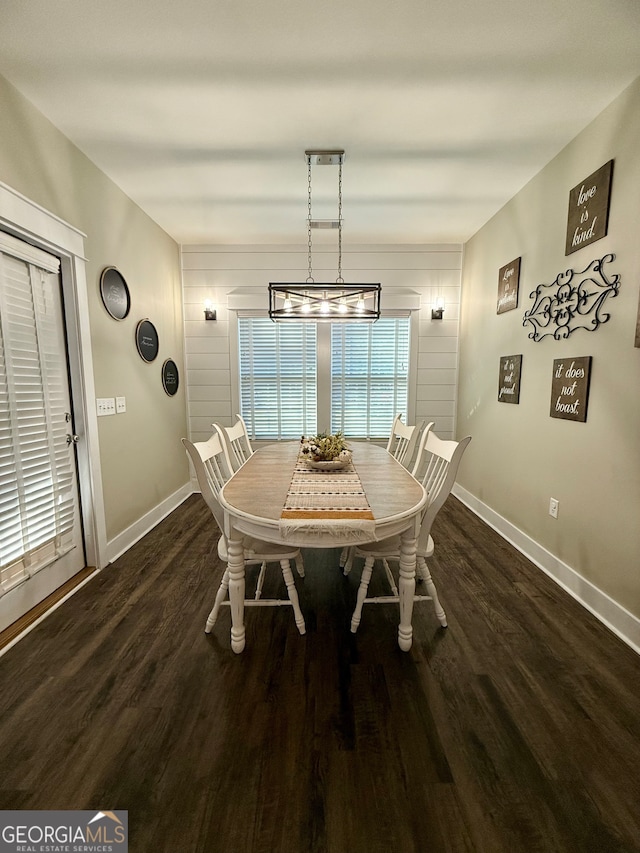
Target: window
369	376
278	396
354	374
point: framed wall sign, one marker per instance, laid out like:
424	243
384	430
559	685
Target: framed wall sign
508	282
170	377
570	388
147	340
114	293
509	379
589	209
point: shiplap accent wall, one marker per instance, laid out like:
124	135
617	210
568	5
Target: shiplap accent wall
237	277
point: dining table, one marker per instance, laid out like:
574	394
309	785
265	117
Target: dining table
277	497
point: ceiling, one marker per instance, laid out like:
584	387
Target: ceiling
201	110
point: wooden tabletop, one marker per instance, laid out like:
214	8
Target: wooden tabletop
260	487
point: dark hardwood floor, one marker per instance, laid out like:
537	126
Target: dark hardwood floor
515	730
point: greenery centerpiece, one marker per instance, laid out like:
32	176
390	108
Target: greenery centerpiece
326	450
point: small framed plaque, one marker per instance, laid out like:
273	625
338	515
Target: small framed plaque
170	377
570	388
147	340
509	379
508	282
588	216
114	293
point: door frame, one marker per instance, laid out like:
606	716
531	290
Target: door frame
28	221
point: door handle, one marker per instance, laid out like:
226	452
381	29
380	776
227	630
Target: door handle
73	439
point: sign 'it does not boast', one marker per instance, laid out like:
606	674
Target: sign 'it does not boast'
570	388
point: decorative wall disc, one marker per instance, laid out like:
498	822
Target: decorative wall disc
114	293
170	377
147	340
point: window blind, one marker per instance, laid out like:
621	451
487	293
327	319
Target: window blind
369	376
278	378
286	374
37	483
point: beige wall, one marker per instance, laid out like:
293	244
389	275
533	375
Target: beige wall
142	460
520	456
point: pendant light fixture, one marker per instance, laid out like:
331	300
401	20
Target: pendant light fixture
336	302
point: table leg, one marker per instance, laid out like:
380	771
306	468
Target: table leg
236	590
406	587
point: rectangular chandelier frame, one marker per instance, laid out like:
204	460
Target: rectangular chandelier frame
324	302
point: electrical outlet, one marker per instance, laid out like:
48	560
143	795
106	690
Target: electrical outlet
553	507
121	405
105	406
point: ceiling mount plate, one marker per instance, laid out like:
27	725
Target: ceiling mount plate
324	223
333	157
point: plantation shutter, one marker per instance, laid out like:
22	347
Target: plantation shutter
37	498
278	378
369	376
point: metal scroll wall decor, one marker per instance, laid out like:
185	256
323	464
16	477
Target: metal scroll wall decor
573	301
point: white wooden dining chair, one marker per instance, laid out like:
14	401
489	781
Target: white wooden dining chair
236	443
436	468
211	469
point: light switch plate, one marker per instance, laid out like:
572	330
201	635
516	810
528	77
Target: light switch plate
105	406
121	405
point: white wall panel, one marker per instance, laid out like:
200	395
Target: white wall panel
236	277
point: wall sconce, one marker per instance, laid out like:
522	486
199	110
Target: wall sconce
437	311
209	310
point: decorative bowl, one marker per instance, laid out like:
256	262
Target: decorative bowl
330	464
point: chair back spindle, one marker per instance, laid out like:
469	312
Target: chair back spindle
402	440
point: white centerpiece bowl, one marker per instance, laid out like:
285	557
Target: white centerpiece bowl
336	464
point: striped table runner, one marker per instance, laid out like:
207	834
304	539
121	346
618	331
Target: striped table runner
327	501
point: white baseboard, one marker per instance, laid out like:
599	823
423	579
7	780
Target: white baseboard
619	620
117	546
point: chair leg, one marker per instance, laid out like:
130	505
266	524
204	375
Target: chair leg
362	593
300	565
346	559
425	574
220	596
390	578
293	595
420	577
260	582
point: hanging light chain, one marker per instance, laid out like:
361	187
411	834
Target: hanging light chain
340	280
310	272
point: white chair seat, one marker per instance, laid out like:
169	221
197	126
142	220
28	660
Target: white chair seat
255	549
390	548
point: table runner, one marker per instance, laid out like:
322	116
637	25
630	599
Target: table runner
323	502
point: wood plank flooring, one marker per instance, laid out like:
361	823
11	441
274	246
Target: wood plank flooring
515	730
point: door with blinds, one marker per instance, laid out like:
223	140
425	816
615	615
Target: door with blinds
41	542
